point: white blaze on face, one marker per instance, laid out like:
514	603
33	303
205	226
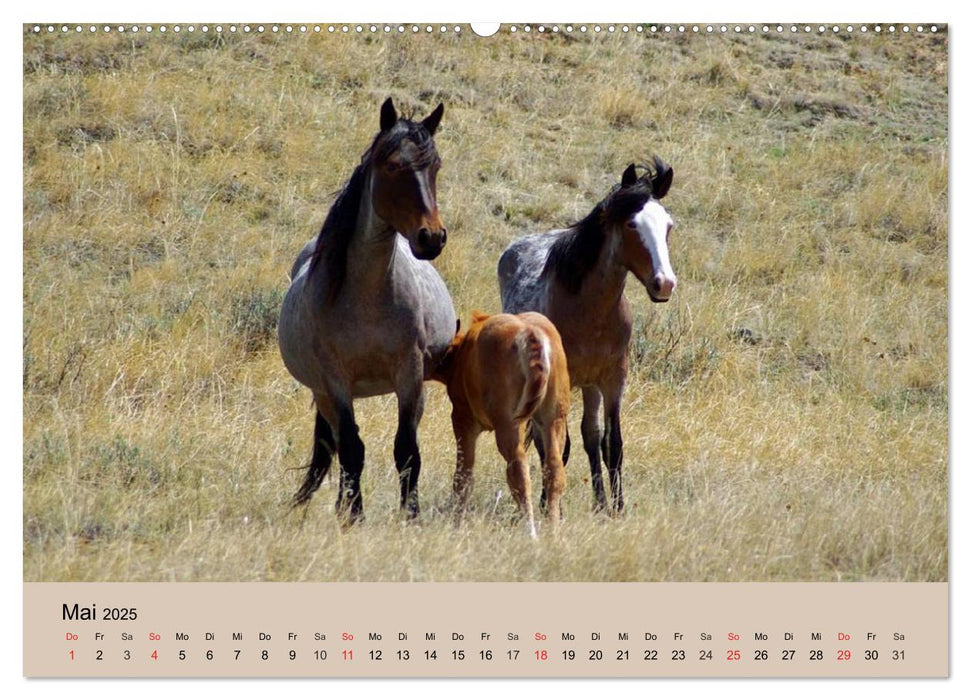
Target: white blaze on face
652	224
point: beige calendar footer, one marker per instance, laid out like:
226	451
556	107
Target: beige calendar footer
486	630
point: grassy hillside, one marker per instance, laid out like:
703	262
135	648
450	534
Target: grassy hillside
786	416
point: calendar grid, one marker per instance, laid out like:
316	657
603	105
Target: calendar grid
486	630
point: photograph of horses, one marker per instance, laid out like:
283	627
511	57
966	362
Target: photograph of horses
691	283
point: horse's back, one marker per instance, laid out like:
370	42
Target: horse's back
491	370
517	357
538	320
303	258
557	394
520	271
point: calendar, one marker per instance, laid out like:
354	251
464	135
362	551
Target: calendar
483	630
525	350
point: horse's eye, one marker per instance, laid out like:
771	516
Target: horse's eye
632	225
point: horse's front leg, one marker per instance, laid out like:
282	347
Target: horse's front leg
411	404
613	445
590	430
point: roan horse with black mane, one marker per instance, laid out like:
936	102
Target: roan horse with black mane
366	314
576	278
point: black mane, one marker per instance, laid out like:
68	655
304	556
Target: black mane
335	235
576	252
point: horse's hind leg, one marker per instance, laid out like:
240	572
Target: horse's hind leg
509	440
350	450
590	429
542	460
324	448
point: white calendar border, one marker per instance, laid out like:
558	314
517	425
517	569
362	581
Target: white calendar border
490	10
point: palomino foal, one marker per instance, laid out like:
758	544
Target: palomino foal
366	314
576	277
503	372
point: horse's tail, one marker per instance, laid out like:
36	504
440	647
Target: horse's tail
324	449
534	358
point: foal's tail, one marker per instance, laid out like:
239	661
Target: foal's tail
534	359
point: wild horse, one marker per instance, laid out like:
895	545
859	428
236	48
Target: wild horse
502	373
576	277
366	313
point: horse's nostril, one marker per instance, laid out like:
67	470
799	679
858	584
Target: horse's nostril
662	286
444	235
424	236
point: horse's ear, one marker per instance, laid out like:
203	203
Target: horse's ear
661	182
389	116
431	121
629	177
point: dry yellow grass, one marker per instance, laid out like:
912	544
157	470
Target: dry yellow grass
786	417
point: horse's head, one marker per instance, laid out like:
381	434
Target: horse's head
645	227
404	165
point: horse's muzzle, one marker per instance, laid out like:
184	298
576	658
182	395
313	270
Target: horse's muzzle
660	288
428	245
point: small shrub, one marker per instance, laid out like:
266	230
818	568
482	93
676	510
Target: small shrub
254	316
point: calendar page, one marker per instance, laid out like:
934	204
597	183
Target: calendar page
525	350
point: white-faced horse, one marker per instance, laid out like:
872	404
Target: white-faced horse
576	277
366	314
